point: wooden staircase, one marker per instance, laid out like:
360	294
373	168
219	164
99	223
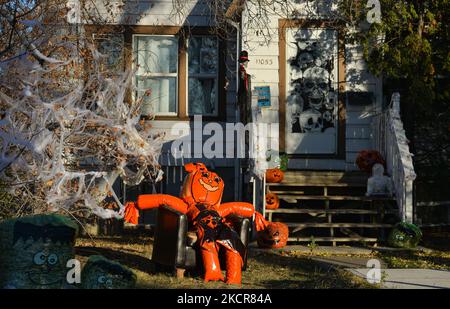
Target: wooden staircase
330	207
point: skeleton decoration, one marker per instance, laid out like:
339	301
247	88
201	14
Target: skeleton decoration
312	102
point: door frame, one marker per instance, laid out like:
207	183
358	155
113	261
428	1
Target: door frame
284	24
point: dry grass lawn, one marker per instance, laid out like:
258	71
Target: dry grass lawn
266	270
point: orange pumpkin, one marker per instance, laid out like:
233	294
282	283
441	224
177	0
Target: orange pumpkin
274	175
272	201
274	236
202	186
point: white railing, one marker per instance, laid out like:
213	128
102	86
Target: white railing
391	142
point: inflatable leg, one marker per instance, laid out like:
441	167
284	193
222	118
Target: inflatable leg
234	267
131	214
211	263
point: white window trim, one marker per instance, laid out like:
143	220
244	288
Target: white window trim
156	74
216	114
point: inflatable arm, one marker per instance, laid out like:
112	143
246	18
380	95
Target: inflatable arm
150	201
245	210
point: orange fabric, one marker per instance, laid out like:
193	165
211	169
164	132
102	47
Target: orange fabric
211	263
131	214
234	267
149	201
241	209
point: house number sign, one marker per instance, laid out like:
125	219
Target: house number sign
264	61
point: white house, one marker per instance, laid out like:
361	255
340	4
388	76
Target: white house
327	105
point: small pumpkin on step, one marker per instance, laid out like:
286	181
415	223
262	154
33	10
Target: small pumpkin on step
272	201
274	175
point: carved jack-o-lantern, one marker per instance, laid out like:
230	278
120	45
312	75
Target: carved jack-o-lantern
202	186
366	159
272	201
274	175
274	236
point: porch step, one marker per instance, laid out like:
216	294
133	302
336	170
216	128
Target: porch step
314	183
339	225
333	239
330	206
327	211
323	178
333	198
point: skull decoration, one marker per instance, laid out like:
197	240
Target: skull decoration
305	60
327	116
316	87
311	121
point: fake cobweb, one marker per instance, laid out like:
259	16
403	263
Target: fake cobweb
64	141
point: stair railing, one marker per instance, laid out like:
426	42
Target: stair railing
391	142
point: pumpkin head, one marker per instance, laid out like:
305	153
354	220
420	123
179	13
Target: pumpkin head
366	159
201	185
275	235
274	175
272	201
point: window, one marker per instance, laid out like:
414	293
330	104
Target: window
177	76
111	46
156	58
203	76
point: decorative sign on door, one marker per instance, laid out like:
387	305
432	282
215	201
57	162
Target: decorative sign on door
312	91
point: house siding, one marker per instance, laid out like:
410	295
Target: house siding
264	68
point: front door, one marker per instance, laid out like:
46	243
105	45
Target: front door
311	91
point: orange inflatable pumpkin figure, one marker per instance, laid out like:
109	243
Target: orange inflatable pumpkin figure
200	200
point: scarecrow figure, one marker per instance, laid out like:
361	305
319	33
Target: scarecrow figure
201	201
244	90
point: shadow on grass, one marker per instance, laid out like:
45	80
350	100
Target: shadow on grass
266	270
128	259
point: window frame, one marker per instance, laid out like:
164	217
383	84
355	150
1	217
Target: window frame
204	76
183	34
155	75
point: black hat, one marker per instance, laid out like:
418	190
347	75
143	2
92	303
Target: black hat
243	56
